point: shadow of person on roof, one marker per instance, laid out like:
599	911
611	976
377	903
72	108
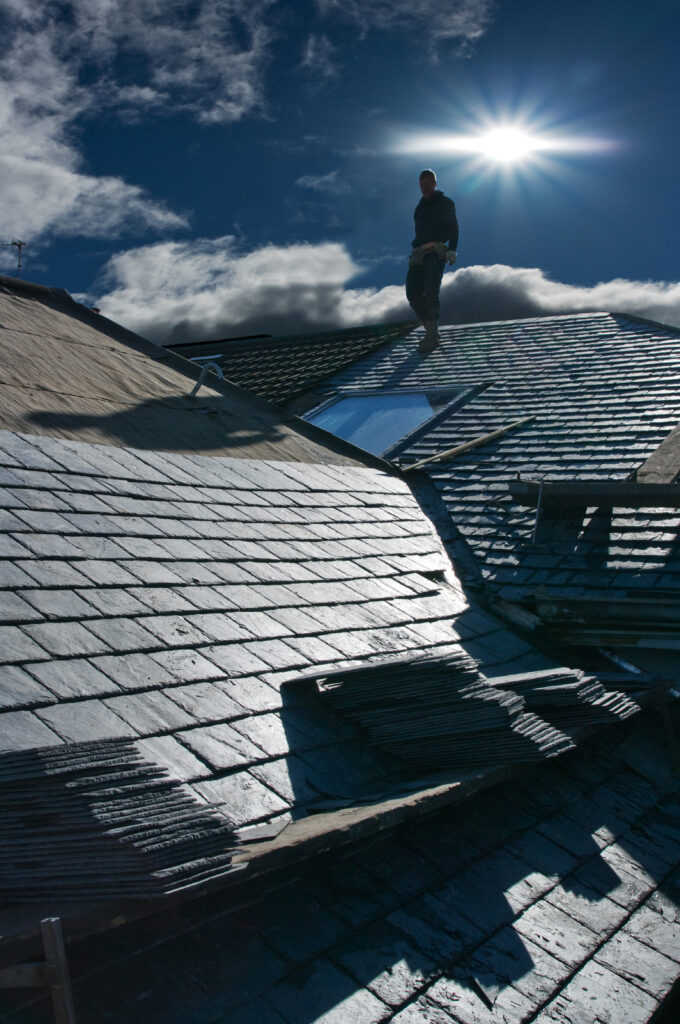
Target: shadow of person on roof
176	424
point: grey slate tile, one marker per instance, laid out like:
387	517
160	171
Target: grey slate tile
19	690
174	630
23	730
13	608
222	627
466	1007
132	671
646	968
83	721
66	639
514	959
221	746
557	933
71	678
385	962
655	930
324	995
58	604
186	665
171	755
113	601
122	634
244	800
206	702
15	646
597	994
51	573
105	573
316	926
12	575
235	659
588	907
149	713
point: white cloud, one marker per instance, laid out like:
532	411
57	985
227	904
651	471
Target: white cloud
208	288
454	21
319	57
331	183
61	63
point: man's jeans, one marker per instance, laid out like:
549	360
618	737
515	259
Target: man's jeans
422	287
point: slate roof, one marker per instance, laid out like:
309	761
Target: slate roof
605	391
162	612
554	900
281	368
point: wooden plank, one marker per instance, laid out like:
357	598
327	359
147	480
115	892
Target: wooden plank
57	971
24	976
594	494
452	453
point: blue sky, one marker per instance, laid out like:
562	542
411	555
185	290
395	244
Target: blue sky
218	167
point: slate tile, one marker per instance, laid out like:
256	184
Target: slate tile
465	1006
66	639
122	634
12	575
206	702
205	599
273	733
435	928
646	968
322	994
112	601
422	1011
597	994
19	690
87	720
95	548
59	604
408	873
221	626
174	630
11	548
316	927
587	906
256	1010
72	678
185	666
655	930
254	694
289	777
221	746
244	799
194	572
15	646
557	933
544	855
132	671
171	755
385	962
13	608
277	654
152	573
149	713
23	730
513	959
235	659
105	573
51	573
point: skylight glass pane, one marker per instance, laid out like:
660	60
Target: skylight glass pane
374	422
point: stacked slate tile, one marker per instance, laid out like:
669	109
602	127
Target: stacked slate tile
440	713
93	820
568	699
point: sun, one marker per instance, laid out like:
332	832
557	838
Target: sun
505	145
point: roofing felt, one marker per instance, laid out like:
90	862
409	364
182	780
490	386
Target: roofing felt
280	368
554	899
605	391
67	372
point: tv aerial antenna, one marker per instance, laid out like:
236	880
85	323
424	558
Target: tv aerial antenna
20	246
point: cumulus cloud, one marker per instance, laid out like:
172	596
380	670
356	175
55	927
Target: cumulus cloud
331	183
62	63
182	291
458	22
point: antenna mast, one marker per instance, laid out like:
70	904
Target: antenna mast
20	246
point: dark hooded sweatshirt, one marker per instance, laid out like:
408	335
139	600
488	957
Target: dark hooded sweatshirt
435	221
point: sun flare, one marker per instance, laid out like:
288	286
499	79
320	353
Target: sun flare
505	144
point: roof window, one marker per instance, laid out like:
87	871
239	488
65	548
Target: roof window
375	421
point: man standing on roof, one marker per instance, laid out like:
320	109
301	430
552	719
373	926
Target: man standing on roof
434	246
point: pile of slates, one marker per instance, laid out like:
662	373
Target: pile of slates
568	698
95	820
439	713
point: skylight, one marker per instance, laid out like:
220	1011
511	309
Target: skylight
377	421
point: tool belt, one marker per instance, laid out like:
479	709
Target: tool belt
418	255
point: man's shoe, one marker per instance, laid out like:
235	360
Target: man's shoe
430	339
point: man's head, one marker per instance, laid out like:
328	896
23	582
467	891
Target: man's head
428	183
